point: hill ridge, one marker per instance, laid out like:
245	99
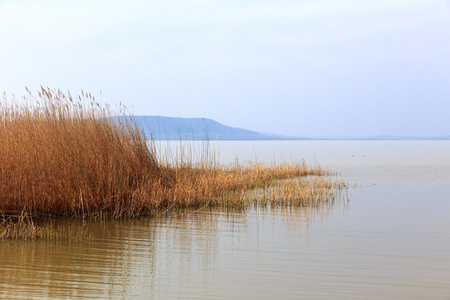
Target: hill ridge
176	128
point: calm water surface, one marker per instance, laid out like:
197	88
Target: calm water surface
391	241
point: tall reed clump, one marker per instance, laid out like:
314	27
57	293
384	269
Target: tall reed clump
62	155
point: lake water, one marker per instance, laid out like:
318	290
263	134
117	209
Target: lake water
390	241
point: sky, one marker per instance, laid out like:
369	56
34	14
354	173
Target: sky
310	68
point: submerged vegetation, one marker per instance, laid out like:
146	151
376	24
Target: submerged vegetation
62	156
19	227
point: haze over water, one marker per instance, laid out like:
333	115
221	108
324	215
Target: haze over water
389	242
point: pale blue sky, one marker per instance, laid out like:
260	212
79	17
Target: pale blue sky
304	67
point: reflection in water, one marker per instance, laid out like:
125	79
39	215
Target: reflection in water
159	257
65	269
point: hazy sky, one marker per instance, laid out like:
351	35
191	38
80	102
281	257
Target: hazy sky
301	67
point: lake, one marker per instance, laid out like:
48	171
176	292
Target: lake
390	241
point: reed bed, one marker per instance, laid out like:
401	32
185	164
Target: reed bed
239	185
62	156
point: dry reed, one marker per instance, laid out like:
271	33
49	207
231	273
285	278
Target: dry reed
62	155
19	227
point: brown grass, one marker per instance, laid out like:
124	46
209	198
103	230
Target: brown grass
61	156
239	185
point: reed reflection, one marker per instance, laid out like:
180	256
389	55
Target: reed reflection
155	257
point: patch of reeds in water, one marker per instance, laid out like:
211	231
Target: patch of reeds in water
19	227
62	155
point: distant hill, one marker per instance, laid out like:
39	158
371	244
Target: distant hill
170	128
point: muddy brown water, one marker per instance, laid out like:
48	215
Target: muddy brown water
391	241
